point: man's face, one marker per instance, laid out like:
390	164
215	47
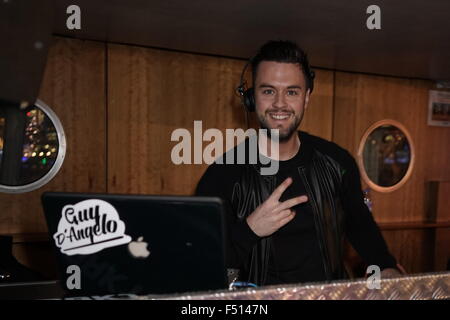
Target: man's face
281	97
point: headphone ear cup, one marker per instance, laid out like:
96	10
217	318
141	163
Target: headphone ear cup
249	100
312	76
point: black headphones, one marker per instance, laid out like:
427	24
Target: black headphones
248	94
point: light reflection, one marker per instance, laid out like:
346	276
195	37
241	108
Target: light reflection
40	141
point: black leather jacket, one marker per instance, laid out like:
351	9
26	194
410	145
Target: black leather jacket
332	182
323	182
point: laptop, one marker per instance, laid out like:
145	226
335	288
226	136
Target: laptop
137	244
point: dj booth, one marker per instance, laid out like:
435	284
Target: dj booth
431	286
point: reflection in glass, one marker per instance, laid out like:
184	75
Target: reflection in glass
2	137
37	151
386	155
40	147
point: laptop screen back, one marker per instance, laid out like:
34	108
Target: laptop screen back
108	244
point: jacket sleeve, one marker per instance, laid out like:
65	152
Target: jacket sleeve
361	228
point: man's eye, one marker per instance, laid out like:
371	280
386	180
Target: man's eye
292	93
268	91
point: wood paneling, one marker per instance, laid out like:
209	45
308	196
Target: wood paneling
361	100
153	92
413	249
417	249
74	87
442	250
318	118
436	152
443	202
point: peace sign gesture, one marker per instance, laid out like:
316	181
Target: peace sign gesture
272	214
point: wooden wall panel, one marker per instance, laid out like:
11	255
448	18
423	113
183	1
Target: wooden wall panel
442	249
360	101
412	248
443	202
74	87
436	142
318	118
153	92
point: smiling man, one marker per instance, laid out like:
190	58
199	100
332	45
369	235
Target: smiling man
290	227
282	96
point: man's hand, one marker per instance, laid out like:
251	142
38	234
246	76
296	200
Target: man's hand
272	214
390	273
393	273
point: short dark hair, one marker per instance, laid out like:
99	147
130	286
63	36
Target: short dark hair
286	52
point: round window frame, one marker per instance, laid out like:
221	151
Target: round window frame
372	185
62	147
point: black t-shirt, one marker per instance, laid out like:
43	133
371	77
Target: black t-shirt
295	255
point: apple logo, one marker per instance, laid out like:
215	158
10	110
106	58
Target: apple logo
138	249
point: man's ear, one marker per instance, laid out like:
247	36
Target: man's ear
307	98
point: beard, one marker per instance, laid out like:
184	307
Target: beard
284	134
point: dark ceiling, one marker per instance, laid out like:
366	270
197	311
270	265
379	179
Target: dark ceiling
414	40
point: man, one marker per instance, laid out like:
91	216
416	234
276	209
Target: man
290	227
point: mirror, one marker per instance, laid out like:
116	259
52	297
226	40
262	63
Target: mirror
386	156
32	147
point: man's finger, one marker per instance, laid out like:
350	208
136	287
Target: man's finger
283	214
291	203
276	194
286	219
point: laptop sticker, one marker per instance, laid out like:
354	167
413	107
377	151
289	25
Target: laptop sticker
138	249
89	226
